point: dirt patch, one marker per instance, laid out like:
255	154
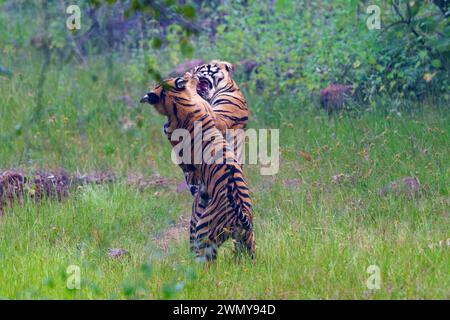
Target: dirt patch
409	186
15	185
95	177
266	184
174	233
143	183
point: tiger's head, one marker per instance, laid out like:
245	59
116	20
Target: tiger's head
212	77
173	98
163	96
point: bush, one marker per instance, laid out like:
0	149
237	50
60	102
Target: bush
301	47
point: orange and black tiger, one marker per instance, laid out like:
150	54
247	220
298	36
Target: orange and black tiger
228	213
217	86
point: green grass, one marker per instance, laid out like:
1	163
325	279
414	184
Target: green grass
315	238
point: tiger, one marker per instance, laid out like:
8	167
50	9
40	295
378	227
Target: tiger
229	212
231	112
217	86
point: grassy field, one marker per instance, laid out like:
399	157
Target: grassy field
316	237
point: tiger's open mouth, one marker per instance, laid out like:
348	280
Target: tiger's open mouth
203	87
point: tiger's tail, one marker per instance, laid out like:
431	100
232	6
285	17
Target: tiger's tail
246	222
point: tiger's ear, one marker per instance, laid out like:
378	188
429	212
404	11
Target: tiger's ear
228	66
180	83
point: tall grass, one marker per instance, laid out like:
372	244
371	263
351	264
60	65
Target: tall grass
315	237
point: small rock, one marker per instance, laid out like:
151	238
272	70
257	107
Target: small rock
293	183
333	97
117	253
290	73
52	185
12	185
338	178
409	186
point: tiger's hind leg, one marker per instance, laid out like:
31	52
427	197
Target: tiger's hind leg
198	208
208	242
244	243
206	251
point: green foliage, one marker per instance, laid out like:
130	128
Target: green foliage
315	237
411	54
302	47
5	72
